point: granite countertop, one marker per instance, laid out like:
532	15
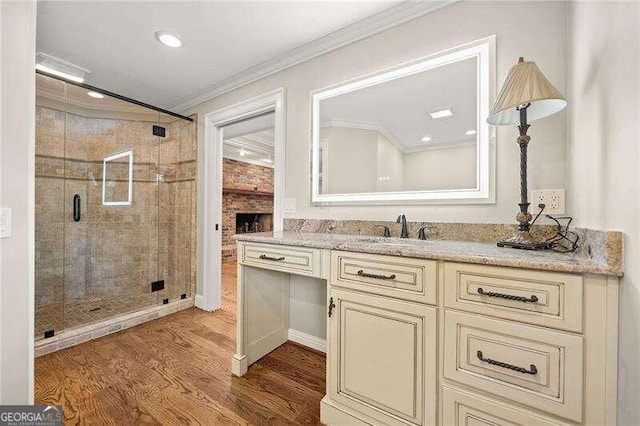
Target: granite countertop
459	251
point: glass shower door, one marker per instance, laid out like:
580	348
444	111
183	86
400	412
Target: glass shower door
111	198
176	208
49	214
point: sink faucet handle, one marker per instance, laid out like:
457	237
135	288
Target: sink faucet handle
421	234
422	231
386	232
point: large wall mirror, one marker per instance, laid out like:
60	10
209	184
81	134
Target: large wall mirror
416	132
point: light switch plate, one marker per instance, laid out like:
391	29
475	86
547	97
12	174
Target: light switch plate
5	222
289	205
553	199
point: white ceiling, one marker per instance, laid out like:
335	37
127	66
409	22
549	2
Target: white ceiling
251	140
115	40
399	108
53	93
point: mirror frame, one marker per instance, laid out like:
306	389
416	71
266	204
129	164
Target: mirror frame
128	153
484	192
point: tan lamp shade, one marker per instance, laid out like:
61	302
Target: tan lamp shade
525	84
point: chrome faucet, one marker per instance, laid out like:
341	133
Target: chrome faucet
403	220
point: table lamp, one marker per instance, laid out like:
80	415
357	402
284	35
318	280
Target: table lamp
526	95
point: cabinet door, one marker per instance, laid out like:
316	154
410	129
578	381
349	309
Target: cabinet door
383	357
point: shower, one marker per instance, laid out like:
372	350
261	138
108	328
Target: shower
115	207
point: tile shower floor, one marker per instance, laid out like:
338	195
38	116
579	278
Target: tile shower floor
60	316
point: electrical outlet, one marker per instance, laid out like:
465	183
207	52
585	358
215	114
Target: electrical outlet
553	200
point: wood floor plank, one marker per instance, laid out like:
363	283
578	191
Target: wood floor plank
177	370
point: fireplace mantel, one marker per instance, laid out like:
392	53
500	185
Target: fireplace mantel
246	192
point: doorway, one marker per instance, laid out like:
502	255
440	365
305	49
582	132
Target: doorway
244	139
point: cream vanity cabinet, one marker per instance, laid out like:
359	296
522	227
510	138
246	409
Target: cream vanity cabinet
382	337
435	342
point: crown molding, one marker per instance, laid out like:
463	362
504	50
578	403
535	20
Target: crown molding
247	145
404	12
441	145
249	161
367	126
395	141
261	138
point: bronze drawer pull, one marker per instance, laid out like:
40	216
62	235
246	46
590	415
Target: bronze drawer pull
532	370
378	277
532	299
275	259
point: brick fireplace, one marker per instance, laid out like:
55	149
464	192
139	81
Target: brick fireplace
253	222
247	202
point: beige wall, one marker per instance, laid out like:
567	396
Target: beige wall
454	25
353	154
362	160
17	109
390	164
450	168
307	305
358	158
604	156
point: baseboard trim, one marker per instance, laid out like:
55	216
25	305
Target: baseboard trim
308	340
199	302
83	334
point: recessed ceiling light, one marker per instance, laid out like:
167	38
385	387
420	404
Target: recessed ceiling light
243	152
425	138
95	95
470	132
441	112
168	38
268	160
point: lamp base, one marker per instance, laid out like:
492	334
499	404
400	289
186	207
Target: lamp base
522	240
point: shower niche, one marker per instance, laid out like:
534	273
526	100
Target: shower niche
115	208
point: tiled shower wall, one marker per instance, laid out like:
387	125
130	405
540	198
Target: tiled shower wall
104	264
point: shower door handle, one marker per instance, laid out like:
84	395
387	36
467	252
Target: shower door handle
76	208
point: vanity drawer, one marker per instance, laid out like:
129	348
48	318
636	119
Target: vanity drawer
297	260
394	276
466	409
537	367
549	299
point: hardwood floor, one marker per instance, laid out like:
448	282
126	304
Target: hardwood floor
177	370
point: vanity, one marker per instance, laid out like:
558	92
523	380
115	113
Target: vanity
441	332
450	330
